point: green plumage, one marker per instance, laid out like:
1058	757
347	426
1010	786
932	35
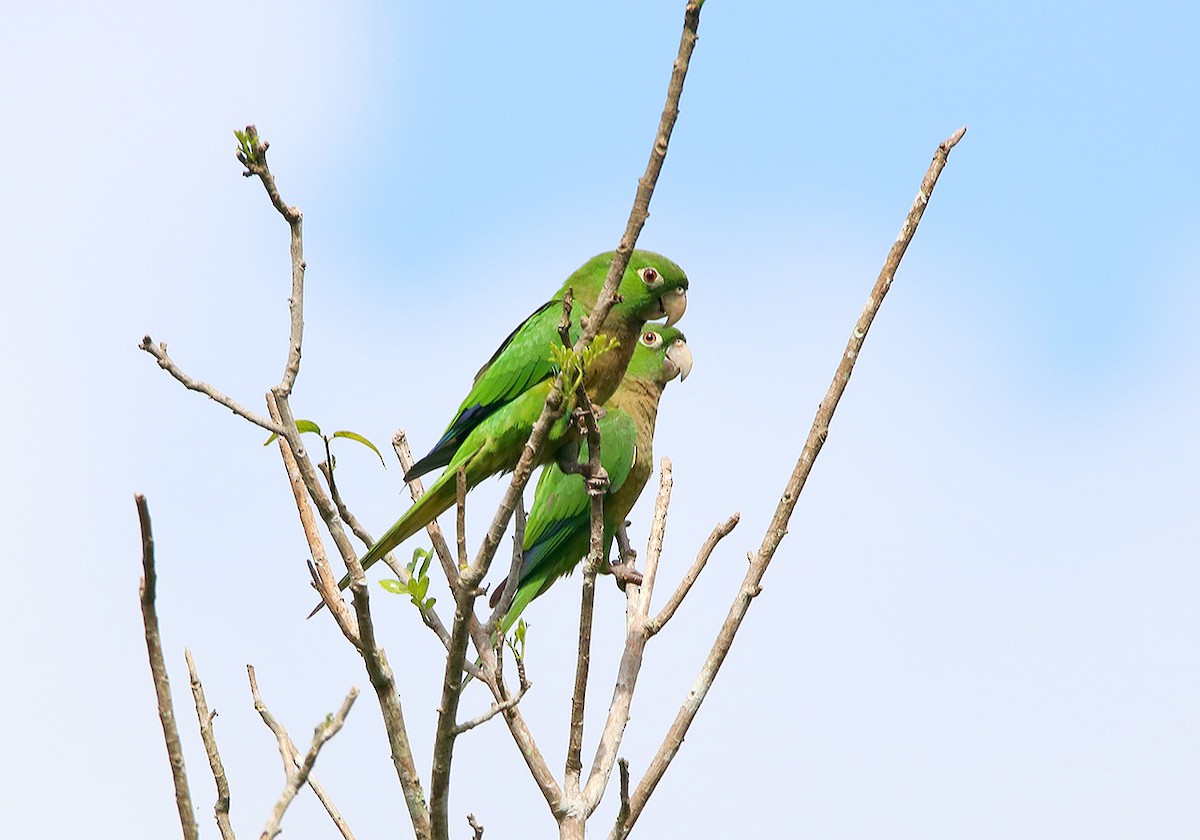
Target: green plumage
558	533
495	420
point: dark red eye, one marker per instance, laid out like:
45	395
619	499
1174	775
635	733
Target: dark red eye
649	337
649	276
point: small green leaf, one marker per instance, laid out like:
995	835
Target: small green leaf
517	640
302	425
355	436
394	586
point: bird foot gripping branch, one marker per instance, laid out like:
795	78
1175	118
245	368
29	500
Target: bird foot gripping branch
598	484
624	574
587	417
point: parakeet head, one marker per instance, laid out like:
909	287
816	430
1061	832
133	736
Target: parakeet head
661	355
652	287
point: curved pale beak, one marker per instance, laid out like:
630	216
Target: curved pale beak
674	304
679	359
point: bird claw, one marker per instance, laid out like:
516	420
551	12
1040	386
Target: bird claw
579	416
624	574
598	484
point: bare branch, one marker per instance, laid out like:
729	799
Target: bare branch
159	352
527	746
645	190
719	533
465	592
324	731
384	682
210	746
475	826
158	669
344	512
291	755
306	484
461	517
594	473
819	431
658	529
417	489
327	582
429	616
637	219
582	665
495	709
572	814
513	580
490	675
623	810
627	554
632	656
253	155
452	685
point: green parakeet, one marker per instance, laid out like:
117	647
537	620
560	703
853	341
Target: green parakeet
489	431
558	531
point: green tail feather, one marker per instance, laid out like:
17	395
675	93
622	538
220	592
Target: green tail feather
436	500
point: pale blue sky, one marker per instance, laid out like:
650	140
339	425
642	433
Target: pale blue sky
984	621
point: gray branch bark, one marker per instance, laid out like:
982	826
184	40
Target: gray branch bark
162	684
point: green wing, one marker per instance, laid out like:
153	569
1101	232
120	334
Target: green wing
521	361
557	533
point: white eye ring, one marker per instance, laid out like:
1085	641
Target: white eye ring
651	339
650	276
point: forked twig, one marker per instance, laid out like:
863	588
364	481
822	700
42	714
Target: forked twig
291	755
685	586
296	778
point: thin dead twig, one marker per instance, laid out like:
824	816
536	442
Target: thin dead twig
158	669
253	155
159	352
633	655
591	431
429	616
221	809
513	580
344	512
623	810
416	489
452	680
571	814
326	581
685	586
296	778
493	710
645	191
291	755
